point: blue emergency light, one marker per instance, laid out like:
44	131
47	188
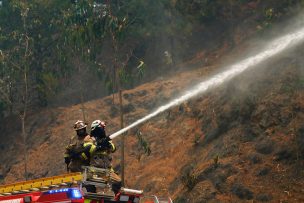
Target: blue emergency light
72	193
75	194
57	191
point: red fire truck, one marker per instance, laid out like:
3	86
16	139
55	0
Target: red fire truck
68	188
67	195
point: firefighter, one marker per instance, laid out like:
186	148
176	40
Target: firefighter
80	148
101	157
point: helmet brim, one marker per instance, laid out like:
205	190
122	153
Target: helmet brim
81	128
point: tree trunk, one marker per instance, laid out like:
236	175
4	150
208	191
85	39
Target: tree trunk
82	105
24	146
81	94
114	81
25	93
23	123
23	117
122	140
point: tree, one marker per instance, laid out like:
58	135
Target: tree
88	25
17	60
83	31
42	25
21	56
118	24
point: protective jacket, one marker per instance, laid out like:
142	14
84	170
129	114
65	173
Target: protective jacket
101	157
79	151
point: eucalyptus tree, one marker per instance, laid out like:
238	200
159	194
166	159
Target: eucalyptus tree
39	25
16	63
95	31
25	49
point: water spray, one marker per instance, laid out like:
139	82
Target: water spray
273	48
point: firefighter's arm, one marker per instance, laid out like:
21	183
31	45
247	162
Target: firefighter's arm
106	144
68	151
89	149
112	147
67	155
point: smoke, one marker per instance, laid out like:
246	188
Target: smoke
273	65
271	49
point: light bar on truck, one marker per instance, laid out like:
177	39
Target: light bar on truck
72	193
57	191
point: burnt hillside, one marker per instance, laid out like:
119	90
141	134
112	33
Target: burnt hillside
240	142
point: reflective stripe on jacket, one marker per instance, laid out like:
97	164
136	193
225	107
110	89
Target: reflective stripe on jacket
102	158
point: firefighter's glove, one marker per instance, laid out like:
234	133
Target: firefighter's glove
67	160
104	145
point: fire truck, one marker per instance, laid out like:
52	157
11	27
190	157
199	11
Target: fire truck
70	188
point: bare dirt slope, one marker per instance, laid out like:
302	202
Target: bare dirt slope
240	142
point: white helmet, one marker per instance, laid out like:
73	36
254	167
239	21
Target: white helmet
97	123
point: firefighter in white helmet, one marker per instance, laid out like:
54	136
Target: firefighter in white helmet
101	157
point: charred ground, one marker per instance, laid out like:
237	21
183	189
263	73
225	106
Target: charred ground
240	142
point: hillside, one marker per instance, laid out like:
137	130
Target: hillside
240	142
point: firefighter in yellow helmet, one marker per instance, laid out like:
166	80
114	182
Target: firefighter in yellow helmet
80	148
101	157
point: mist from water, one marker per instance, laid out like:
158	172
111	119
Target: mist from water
271	49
